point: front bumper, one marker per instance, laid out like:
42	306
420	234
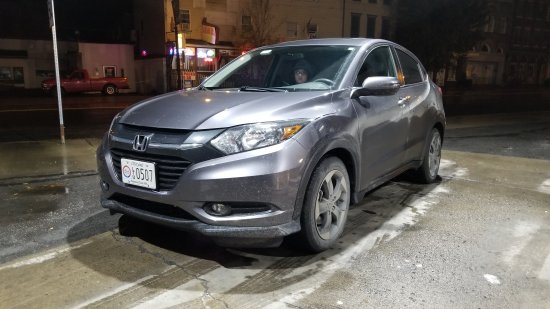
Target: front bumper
203	228
267	176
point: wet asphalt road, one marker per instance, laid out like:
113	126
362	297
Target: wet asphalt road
480	237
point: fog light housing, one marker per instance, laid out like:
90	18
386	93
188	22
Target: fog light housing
104	186
217	209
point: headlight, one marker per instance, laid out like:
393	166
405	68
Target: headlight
258	135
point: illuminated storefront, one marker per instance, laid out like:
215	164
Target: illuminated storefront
200	60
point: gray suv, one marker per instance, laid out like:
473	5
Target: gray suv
280	141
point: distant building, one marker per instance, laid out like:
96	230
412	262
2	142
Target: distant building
527	60
515	48
212	32
89	37
485	63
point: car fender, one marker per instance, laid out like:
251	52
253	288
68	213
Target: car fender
342	144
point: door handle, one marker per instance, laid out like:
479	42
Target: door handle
404	100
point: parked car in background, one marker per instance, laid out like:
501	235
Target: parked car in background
279	141
80	81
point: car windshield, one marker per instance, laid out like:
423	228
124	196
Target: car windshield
292	68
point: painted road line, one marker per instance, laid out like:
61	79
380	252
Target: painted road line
544	272
523	233
545	186
65	109
42	257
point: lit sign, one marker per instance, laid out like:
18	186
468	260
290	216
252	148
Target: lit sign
206	53
208	34
181	40
189	51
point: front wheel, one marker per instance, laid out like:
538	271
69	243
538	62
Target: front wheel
110	90
427	172
326	205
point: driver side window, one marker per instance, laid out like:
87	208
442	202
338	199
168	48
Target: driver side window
379	62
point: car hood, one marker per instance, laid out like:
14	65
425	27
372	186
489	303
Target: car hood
201	110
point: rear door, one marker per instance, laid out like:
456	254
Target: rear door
382	128
415	95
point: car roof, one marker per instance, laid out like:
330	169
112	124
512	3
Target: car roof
330	41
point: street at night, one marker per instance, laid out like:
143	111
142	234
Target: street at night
478	236
275	154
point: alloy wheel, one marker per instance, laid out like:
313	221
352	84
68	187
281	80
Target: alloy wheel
331	205
434	156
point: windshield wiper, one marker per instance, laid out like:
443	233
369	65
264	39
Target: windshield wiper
261	89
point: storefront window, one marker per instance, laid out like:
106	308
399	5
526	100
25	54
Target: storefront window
6	73
12	74
206	59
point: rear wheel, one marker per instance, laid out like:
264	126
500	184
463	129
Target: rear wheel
427	172
326	205
110	89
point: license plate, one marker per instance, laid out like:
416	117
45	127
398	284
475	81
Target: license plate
138	173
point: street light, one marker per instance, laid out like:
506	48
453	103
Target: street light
51	14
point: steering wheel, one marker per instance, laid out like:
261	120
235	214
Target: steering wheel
325	81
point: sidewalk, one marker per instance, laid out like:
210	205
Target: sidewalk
23	161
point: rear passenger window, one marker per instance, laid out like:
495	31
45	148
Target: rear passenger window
411	68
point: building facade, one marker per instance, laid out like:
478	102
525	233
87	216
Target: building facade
487	60
210	33
25	63
527	60
515	47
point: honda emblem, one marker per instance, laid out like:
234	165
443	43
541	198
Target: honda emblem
141	142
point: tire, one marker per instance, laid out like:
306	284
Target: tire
110	89
326	205
427	172
53	92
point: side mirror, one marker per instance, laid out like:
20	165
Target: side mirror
377	86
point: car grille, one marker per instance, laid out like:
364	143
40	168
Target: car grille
169	169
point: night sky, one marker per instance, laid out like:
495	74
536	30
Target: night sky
106	21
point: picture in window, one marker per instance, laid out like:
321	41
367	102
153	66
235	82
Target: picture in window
109	70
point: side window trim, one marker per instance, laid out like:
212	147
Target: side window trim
393	60
400	75
419	66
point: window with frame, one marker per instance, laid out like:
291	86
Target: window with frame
379	62
184	17
12	74
311	30
371	26
291	30
385	28
503	25
216	5
355	22
246	23
411	69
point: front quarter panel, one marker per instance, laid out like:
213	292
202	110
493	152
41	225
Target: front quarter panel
334	133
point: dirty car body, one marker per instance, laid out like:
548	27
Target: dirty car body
250	156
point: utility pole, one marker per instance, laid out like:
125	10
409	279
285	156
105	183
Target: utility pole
51	13
176	10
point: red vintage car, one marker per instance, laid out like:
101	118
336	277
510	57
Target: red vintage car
80	81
